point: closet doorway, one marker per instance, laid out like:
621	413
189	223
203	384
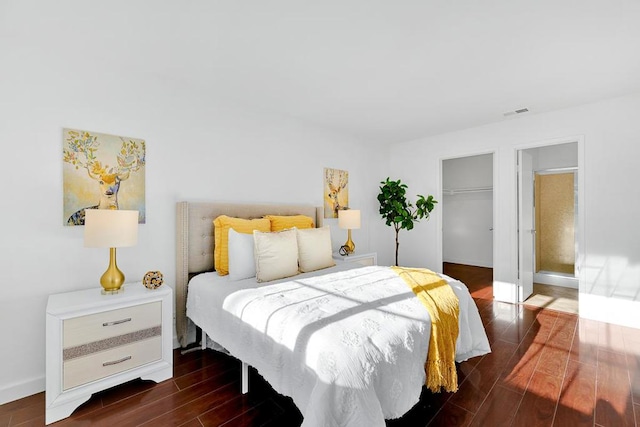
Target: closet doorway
467	218
548	218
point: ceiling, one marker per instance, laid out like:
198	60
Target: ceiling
381	71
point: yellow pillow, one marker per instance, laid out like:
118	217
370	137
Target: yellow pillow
282	222
222	224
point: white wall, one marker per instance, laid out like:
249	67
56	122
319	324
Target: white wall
60	69
196	150
467	214
610	277
468	172
554	156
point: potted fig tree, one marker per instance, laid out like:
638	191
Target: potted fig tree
397	211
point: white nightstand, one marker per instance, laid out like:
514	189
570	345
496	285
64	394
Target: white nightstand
358	258
97	341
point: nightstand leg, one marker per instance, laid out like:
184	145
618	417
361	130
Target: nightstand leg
203	341
245	378
60	411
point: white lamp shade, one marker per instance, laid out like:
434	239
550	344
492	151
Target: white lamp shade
106	228
349	219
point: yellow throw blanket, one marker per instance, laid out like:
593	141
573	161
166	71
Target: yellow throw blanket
442	303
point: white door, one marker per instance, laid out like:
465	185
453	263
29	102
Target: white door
525	225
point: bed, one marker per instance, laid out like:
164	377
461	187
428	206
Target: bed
346	343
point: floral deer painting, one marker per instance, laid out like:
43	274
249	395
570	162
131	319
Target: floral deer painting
90	182
336	191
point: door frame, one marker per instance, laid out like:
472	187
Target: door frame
494	178
580	220
526	236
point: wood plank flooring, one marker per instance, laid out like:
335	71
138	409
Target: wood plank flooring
556	298
547	368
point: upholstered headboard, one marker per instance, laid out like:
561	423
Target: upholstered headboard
194	241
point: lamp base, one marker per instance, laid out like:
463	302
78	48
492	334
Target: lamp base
112	291
349	247
112	279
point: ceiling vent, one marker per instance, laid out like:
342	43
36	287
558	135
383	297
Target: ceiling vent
518	111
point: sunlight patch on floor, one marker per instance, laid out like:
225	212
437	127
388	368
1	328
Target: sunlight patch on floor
554	298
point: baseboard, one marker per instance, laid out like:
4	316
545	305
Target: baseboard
468	262
15	391
556	280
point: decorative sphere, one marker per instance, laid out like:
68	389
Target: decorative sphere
153	279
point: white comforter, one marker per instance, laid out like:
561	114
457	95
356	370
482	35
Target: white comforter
349	347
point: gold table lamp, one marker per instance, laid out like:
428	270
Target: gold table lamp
349	219
106	228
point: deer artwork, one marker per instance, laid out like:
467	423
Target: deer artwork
336	188
81	153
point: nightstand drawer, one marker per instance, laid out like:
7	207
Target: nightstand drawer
360	259
82	370
365	262
99	326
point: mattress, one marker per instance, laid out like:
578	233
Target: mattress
347	344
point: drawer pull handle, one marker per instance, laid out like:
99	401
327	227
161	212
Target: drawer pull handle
117	322
115	362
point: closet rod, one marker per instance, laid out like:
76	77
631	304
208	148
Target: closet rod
466	190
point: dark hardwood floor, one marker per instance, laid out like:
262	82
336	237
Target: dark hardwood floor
546	368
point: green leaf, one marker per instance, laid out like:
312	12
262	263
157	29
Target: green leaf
396	210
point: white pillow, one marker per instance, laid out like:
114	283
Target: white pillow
314	249
276	254
242	263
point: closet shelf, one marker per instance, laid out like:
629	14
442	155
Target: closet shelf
452	191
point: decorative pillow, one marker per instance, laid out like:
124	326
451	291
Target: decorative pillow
222	224
282	222
314	249
276	254
242	264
